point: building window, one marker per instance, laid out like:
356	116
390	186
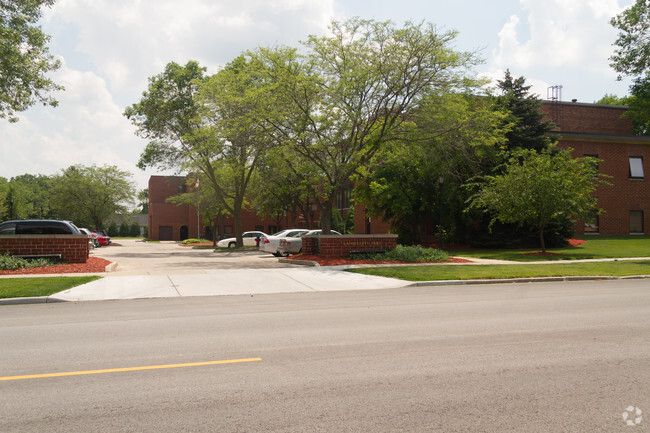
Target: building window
636	221
636	167
227	230
259	228
344	198
182	188
592	224
596	161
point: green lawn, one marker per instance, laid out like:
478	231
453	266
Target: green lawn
596	247
472	272
44	286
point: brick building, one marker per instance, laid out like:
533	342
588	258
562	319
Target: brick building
600	131
169	221
589	129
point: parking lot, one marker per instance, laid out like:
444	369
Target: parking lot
135	257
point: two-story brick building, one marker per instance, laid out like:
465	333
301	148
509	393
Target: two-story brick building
589	129
169	221
601	132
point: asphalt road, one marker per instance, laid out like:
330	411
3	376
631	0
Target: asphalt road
545	357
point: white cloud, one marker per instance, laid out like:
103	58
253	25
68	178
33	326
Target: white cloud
86	128
111	47
560	41
128	41
572	33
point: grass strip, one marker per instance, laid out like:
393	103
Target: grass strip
474	272
44	286
596	247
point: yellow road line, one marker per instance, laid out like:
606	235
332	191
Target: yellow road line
117	370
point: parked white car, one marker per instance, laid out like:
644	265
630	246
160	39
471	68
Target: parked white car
269	244
247	237
294	245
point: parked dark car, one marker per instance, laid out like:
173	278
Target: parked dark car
38	227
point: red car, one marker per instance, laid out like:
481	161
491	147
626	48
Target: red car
102	237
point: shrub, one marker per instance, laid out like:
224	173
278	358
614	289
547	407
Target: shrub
403	253
124	230
9	262
134	230
113	231
196	241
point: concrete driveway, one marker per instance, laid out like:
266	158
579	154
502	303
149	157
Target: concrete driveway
141	258
155	270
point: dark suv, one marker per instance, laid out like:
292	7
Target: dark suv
38	227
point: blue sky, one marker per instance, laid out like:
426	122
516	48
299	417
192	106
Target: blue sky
109	48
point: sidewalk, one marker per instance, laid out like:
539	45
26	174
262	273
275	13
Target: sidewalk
218	283
167	270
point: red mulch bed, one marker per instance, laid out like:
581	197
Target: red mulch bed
570	243
325	261
93	264
542	254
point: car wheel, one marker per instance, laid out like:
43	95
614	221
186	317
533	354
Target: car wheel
285	255
232	245
276	254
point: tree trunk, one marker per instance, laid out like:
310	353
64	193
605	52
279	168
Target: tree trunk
236	215
326	215
541	239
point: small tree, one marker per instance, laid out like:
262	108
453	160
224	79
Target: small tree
124	229
134	230
113	230
536	188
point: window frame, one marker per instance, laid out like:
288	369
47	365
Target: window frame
634	170
596	224
641	216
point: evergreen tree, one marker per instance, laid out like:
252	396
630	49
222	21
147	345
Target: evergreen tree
113	230
529	130
134	230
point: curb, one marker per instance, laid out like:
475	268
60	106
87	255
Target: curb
299	262
34	300
523	280
50	300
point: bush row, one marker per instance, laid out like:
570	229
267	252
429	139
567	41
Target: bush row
9	262
403	253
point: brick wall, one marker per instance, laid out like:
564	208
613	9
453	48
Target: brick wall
622	194
588	118
341	246
72	248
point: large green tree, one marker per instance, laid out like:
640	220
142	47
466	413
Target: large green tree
538	187
24	58
632	58
89	196
353	91
284	184
452	138
209	125
31	195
